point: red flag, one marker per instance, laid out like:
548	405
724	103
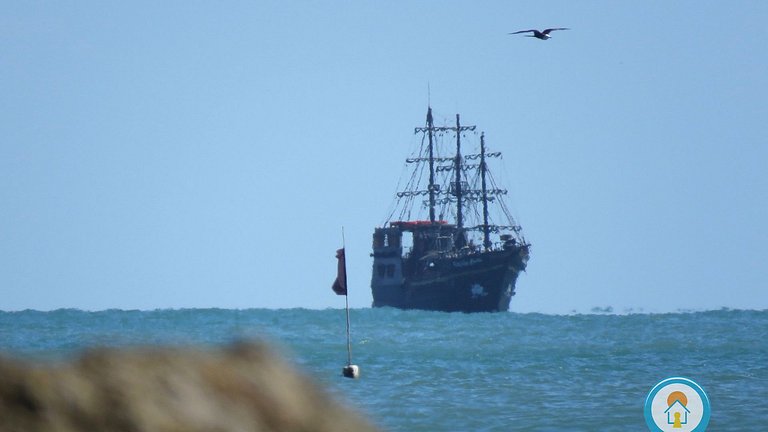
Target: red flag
340	284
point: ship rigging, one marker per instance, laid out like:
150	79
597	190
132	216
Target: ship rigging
455	186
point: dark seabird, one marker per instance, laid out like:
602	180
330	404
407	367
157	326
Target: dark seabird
543	35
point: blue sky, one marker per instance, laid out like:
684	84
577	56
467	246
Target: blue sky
206	154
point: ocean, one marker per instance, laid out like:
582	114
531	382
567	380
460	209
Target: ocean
431	371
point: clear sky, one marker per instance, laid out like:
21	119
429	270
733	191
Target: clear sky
207	154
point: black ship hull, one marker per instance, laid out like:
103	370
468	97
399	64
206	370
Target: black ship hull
478	282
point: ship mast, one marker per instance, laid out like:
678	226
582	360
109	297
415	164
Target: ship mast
460	239
433	189
430	129
483	168
457	188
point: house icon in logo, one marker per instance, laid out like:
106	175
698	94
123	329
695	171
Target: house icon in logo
677	414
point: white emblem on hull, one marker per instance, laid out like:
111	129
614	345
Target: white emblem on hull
478	291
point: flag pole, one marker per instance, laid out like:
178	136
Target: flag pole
346	297
350	370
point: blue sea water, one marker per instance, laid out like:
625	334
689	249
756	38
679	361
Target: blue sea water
429	371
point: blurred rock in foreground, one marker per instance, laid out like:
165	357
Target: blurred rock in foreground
241	388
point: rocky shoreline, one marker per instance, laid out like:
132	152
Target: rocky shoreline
243	387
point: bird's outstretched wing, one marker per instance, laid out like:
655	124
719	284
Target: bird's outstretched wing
522	31
553	29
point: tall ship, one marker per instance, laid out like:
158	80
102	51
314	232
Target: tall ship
450	243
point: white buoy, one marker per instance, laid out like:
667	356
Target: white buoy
351	371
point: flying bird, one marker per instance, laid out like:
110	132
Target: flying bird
543	35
